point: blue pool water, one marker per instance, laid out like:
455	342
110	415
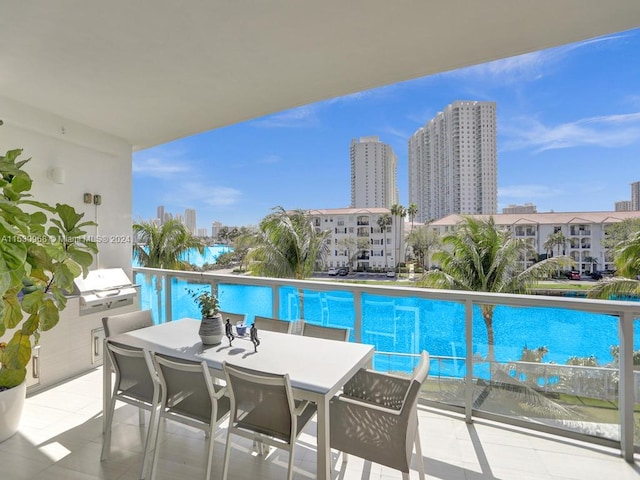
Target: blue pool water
211	253
409	325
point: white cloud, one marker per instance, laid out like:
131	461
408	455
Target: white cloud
270	159
608	131
196	193
159	167
301	117
397	133
525	67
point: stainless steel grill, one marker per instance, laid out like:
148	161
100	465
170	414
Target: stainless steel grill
105	289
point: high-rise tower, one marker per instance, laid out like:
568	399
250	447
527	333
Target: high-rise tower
190	220
374	174
635	196
453	162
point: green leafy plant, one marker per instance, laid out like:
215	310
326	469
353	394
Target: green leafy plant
42	250
207	302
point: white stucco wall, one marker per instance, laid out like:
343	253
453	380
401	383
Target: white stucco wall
91	162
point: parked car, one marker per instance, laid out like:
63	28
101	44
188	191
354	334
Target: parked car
343	271
574	275
391	274
332	271
597	275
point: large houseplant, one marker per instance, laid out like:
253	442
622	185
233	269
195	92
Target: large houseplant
43	248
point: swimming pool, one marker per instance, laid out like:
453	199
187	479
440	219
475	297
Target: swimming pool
409	325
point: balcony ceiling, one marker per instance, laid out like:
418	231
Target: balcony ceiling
151	71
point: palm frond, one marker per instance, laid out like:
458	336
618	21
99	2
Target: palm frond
615	288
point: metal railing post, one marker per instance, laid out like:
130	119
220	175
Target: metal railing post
357	310
168	306
626	387
468	334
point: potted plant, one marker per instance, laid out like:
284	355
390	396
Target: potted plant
211	327
42	250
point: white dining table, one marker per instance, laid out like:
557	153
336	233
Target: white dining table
317	368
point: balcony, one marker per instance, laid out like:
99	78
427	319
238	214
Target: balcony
60	437
592	404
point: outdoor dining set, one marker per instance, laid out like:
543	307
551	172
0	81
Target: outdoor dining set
266	394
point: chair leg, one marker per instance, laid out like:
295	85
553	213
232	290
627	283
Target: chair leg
154	462
419	458
227	454
210	451
141	416
150	441
106	438
290	469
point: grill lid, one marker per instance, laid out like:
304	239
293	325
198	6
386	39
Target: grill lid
104	284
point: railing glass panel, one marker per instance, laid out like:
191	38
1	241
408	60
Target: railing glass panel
587	398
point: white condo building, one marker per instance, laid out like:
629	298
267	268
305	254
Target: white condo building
453	162
357	241
583	231
374	170
526	208
623	206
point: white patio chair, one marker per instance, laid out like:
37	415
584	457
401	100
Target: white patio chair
190	397
126	322
272	324
234	318
263	409
135	385
376	418
329	333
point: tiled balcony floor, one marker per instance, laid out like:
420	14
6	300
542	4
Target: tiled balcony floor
60	439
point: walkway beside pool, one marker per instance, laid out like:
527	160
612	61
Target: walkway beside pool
60	439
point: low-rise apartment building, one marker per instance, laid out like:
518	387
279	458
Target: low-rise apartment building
356	239
584	233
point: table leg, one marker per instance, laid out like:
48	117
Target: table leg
324	446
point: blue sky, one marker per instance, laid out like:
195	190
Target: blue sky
568	139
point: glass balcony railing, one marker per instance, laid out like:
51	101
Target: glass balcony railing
560	365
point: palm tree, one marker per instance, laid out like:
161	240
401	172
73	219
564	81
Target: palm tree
627	280
243	244
162	246
288	246
399	212
352	247
557	240
412	211
485	258
423	241
592	261
383	221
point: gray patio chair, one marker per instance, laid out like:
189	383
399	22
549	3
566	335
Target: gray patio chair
263	409
376	418
320	331
190	397
272	324
126	322
234	318
135	385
